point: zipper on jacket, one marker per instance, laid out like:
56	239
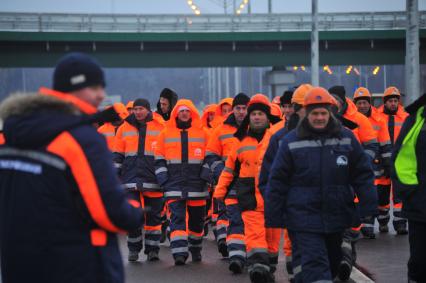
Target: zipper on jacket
184	146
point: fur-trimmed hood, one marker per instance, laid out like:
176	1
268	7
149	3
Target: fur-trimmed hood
33	120
26	103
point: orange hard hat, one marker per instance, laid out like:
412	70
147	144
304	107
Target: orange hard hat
121	110
129	104
300	93
319	95
391	91
276	110
259	98
362	92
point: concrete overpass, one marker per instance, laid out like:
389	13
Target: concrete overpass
38	40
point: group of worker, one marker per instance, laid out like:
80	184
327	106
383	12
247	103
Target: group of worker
311	165
219	167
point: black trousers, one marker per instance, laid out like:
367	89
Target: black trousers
417	261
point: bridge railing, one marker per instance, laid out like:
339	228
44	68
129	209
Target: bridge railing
205	23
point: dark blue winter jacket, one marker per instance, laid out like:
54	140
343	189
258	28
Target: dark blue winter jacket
413	196
314	178
61	203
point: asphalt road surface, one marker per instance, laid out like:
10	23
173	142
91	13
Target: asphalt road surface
384	259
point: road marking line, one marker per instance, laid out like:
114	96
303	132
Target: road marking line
360	277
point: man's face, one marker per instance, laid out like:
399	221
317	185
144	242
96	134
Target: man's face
363	106
258	120
287	110
392	104
240	112
92	95
184	115
210	116
226	109
318	118
164	105
140	112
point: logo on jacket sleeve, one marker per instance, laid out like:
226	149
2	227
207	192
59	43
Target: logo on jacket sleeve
342	161
198	152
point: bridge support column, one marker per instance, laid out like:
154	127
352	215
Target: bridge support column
314	45
280	80
412	60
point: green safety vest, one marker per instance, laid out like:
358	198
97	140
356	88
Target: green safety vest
406	161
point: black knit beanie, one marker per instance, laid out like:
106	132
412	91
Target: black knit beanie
76	71
142	102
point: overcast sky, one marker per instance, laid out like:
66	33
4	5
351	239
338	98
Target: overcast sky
205	6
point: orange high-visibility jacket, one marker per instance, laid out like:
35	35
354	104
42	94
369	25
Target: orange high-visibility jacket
219	117
179	155
278	126
208	109
243	165
385	147
108	131
365	133
399	119
134	152
218	149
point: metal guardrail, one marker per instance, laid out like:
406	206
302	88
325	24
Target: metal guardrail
32	22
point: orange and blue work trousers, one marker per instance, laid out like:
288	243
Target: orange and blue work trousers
152	222
255	238
186	226
235	233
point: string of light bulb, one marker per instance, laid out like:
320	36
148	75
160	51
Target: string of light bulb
241	7
194	7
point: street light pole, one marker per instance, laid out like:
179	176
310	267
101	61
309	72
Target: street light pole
412	64
314	45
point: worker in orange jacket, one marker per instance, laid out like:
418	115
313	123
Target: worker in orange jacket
129	107
229	228
296	102
108	130
242	167
394	115
208	116
223	109
285	104
178	160
276	110
134	147
362	99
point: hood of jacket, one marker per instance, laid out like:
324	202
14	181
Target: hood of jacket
33	120
195	116
219	117
208	109
172	97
